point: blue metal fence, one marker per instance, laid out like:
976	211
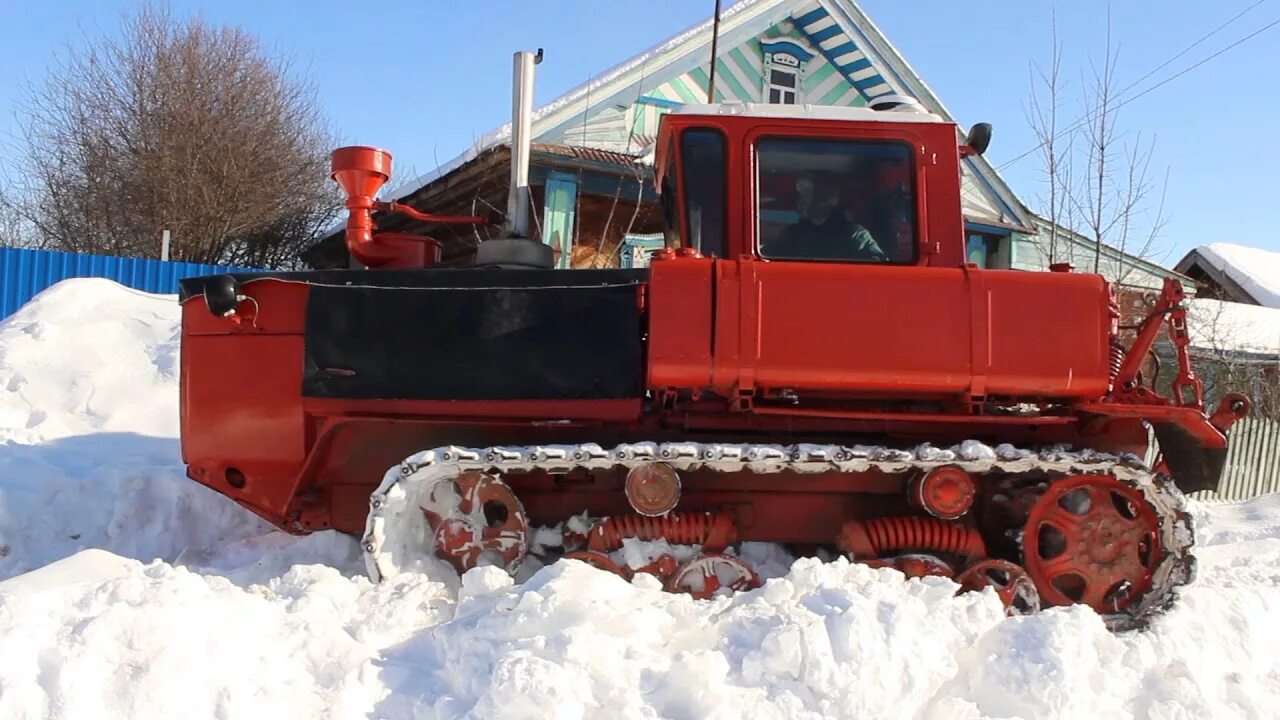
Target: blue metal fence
24	273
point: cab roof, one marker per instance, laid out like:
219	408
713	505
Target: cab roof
810	112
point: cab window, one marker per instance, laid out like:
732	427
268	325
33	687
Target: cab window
704	179
835	200
670	213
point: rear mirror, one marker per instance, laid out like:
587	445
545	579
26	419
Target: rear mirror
979	137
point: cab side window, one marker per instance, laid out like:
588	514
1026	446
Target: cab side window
836	200
704	181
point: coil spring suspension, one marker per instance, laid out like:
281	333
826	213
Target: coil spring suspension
880	536
1117	359
713	531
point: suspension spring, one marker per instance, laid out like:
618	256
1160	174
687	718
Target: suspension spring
713	531
881	536
1117	358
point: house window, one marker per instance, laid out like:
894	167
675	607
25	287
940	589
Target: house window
783	85
784	66
987	251
977	250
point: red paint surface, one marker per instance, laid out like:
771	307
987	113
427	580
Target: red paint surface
739	349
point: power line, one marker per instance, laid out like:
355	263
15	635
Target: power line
1081	121
1191	47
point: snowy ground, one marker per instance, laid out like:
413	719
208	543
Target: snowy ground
191	608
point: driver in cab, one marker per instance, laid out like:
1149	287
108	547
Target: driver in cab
824	231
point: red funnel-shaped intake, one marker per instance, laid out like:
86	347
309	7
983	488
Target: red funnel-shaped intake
361	171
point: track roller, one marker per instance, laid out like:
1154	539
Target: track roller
1010	581
706	575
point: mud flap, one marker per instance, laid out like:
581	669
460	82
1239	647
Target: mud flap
1194	467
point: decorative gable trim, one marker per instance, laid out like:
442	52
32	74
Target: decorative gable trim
822	29
634	78
786	47
835	29
900	76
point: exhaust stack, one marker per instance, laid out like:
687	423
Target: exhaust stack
518	200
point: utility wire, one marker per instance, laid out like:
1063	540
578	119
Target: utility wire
1191	47
1081	121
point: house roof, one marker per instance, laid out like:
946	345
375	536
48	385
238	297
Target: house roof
1231	327
1248	274
838	29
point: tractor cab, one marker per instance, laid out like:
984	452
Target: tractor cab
878	185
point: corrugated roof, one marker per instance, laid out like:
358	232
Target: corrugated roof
585	153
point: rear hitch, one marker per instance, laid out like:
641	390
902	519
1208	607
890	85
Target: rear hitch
1231	408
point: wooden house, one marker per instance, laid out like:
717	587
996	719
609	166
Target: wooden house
590	174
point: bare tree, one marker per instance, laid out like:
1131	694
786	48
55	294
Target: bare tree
176	125
1235	353
13	231
1097	175
1042	116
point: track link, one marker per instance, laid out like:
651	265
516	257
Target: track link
396	539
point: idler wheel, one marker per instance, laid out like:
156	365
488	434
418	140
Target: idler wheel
476	519
1093	540
706	575
1012	584
945	492
653	488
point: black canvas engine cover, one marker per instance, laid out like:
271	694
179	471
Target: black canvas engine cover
477	335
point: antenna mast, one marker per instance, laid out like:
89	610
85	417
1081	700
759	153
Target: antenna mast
715	36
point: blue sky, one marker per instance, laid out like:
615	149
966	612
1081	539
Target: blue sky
422	78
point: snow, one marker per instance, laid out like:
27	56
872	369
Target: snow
1228	326
1255	269
89	356
173	602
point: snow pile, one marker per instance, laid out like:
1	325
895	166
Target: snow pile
238	621
89	355
1254	269
123	492
828	640
1229	326
158	641
88	426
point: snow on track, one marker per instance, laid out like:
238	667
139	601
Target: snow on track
195	609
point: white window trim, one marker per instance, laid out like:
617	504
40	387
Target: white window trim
783	91
783	62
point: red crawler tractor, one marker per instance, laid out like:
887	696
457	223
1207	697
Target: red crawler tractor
810	361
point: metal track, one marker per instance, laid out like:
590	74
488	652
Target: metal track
395	531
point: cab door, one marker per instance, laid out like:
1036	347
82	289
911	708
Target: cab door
838	298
